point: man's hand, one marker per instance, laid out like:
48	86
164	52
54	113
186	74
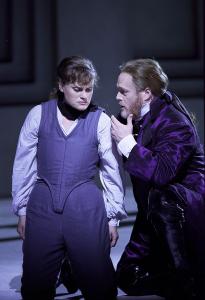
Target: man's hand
113	235
21	227
119	130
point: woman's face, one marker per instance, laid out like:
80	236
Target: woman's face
76	95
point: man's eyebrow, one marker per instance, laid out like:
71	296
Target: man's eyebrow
122	89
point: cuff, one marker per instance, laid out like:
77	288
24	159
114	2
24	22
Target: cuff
126	145
22	211
114	222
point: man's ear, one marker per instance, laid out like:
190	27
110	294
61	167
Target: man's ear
148	96
60	86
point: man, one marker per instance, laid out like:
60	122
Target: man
62	144
163	155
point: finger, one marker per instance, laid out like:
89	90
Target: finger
111	239
18	229
114	237
113	126
129	119
114	241
115	121
113	118
21	232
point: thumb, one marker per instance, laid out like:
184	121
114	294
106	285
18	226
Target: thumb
129	119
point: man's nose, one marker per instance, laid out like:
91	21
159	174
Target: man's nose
118	96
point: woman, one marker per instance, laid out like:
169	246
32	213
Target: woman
62	143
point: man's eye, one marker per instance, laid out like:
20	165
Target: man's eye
123	92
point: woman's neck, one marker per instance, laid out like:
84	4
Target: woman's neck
68	111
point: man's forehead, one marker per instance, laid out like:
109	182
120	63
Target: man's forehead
125	80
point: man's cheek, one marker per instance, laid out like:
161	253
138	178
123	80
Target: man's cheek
135	109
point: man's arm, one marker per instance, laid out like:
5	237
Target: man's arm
174	143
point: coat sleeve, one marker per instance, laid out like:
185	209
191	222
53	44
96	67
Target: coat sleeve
173	144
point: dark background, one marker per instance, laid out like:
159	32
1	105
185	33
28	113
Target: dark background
36	34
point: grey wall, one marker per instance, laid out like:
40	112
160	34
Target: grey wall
35	35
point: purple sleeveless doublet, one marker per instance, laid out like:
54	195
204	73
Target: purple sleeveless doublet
66	212
65	162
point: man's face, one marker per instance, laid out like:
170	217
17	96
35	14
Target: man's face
130	100
76	95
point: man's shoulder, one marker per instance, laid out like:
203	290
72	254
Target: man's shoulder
168	113
168	119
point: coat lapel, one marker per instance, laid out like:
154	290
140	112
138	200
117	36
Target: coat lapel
155	108
146	132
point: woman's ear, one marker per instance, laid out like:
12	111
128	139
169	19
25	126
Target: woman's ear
60	86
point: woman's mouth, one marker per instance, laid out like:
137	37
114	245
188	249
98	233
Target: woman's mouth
83	102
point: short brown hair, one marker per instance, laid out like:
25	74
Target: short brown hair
147	73
76	69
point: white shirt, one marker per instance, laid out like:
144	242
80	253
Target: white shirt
25	165
126	145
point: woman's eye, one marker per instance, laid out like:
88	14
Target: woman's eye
77	89
89	90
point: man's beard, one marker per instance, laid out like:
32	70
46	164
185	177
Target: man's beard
136	110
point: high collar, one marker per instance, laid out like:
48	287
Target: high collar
156	106
145	109
68	111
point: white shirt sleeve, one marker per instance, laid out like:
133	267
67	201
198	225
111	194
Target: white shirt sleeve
110	173
126	145
25	165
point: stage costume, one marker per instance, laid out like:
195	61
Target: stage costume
65	210
167	172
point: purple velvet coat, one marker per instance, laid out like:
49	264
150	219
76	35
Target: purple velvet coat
168	155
